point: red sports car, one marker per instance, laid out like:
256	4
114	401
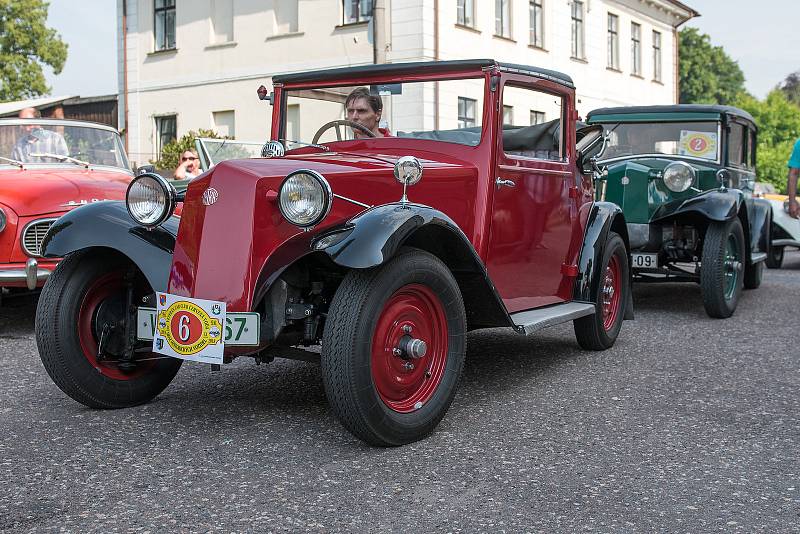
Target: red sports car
47	168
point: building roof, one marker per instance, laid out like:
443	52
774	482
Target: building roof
12	108
419	66
674	110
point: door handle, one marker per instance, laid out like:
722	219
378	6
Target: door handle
499	182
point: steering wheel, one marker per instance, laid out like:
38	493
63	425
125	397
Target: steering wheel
341	122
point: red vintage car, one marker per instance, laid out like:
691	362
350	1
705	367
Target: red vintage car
48	168
395	208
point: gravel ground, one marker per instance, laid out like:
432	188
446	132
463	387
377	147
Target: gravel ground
688	424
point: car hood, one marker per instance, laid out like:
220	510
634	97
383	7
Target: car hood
32	192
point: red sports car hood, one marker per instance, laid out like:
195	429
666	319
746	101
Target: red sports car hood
41	191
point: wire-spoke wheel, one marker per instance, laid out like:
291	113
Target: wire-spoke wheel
393	348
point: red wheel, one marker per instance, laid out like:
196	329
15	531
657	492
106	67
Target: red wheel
84	301
600	330
610	293
393	348
103	305
404	377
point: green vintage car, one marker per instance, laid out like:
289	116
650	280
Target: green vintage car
684	177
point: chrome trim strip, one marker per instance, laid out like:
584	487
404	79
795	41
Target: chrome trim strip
356	202
756	257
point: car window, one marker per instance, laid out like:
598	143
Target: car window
736	140
532	123
690	139
323	115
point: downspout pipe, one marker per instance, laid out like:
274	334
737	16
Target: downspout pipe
125	68
379	32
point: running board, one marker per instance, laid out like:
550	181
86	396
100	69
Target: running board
785	243
531	321
756	257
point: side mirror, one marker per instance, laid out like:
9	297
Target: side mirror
590	146
145	168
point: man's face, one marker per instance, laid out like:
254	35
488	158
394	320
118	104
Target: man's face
192	159
27	114
360	111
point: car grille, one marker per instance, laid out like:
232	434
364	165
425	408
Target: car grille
33	235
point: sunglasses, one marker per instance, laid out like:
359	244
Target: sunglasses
188	159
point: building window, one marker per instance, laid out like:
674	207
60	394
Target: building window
225	123
164	13
284	16
613	41
166	131
465	13
537	117
577	30
657	56
636	49
502	18
466	112
537	23
508	114
221	21
356	11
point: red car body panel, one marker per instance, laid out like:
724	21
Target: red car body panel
47	192
224	251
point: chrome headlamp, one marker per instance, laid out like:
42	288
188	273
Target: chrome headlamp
3	220
678	176
150	199
305	198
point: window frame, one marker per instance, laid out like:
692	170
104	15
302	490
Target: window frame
657	57
463	118
578	30
159	134
612	48
536	20
636	49
535	115
500	20
562	148
163	11
465	13
359	18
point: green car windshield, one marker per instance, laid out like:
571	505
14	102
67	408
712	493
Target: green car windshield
686	139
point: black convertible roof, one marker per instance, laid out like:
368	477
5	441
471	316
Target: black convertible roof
420	66
674	108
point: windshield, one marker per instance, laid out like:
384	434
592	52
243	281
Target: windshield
691	139
325	115
32	141
212	151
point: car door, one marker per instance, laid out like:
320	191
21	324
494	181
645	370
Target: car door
531	226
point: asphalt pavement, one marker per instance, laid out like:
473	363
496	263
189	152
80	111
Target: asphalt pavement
689	424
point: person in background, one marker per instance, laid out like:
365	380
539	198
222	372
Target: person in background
365	109
794	172
37	140
189	166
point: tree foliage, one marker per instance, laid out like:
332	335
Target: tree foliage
778	122
791	87
172	151
25	44
707	74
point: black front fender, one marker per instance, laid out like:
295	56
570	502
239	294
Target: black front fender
375	236
716	205
108	225
603	218
760	225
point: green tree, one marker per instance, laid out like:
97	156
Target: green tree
778	122
25	44
172	151
707	74
791	87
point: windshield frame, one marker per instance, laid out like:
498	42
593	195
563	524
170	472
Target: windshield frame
720	141
283	91
69	123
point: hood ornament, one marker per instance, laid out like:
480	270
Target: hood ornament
273	149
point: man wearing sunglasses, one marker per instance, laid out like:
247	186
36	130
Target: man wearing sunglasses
189	166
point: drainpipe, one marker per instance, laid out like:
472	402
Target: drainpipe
125	68
379	32
436	58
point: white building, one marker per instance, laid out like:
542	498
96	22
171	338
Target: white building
190	64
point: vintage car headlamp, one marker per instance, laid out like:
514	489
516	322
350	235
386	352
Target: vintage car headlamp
305	198
3	220
678	176
150	199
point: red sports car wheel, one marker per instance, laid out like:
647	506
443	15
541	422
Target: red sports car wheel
610	293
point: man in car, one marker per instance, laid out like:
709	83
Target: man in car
365	109
794	172
37	140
